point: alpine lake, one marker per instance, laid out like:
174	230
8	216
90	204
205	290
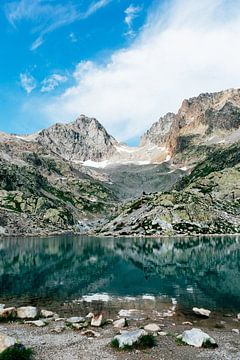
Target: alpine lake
70	274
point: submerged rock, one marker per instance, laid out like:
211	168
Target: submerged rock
198	338
27	312
6	342
129	338
201	312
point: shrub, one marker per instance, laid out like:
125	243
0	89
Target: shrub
17	352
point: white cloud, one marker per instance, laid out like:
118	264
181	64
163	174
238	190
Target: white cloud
130	14
28	82
183	50
47	15
51	82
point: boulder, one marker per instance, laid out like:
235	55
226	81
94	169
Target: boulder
198	338
238	316
8	313
27	312
129	338
201	312
2	306
6	342
75	320
236	331
120	323
152	328
47	313
98	320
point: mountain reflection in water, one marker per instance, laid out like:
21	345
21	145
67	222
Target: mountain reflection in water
201	271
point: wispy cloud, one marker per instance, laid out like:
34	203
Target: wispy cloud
130	14
48	15
184	49
51	82
28	82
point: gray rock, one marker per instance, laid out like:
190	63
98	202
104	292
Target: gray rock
236	331
198	338
129	338
98	320
27	312
38	323
152	328
47	313
120	323
6	342
201	312
75	320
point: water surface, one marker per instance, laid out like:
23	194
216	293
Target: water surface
201	271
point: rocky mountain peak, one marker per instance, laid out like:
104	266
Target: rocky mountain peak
210	118
81	140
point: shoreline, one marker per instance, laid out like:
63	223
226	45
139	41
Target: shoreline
97	235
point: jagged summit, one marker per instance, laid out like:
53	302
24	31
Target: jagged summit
81	140
208	119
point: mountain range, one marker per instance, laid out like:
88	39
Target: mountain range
183	178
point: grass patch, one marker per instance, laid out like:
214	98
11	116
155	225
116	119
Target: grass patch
17	352
179	342
209	345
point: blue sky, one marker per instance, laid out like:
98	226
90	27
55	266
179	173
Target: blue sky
126	62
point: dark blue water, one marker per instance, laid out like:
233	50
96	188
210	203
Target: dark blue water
196	271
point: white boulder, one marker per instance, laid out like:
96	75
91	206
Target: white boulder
6	342
152	328
129	338
47	313
98	320
75	320
27	312
201	312
120	323
198	338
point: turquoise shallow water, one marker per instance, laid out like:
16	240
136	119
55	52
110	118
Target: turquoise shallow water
195	271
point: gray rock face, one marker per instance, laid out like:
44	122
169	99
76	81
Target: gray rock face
158	132
81	140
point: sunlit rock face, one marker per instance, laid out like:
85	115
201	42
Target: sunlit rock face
81	140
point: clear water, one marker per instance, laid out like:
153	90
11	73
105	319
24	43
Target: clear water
196	271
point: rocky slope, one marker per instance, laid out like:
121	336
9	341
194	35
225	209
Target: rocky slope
205	202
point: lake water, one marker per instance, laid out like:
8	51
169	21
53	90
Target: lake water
201	271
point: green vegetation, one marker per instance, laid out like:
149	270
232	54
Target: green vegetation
17	352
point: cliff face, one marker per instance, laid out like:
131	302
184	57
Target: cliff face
206	120
81	140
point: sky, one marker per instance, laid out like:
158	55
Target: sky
124	62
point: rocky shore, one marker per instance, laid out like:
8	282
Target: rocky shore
175	335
